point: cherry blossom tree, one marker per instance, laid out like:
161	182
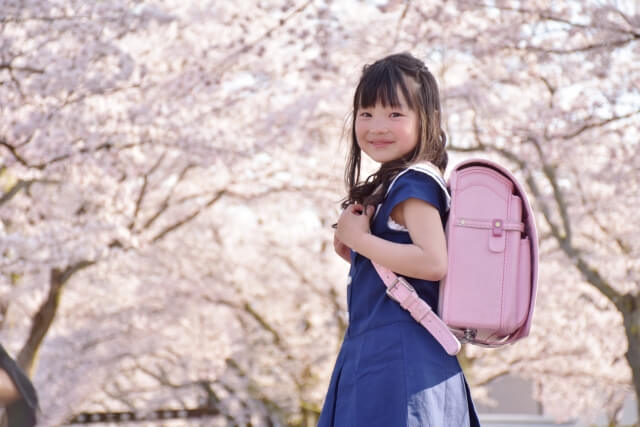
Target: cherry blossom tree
110	180
170	171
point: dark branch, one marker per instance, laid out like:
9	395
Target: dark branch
44	18
30	70
553	18
247	308
228	61
14	153
598	124
22	184
143	190
593	46
191	216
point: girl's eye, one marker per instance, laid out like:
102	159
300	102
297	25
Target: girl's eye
396	114
365	114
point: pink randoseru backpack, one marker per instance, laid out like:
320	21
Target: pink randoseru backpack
489	292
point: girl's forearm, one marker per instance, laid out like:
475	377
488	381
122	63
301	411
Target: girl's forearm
406	259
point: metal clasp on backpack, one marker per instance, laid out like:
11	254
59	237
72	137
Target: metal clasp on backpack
401	281
469	335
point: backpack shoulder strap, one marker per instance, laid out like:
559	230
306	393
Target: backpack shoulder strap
401	291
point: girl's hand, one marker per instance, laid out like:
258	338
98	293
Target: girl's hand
341	249
353	224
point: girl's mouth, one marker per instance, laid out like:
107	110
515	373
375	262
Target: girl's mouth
381	143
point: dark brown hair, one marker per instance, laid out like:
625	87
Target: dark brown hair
380	82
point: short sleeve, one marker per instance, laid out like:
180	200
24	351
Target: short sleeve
416	185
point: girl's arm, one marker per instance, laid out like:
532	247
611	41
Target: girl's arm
425	258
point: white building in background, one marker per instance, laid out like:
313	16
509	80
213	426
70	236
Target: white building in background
517	408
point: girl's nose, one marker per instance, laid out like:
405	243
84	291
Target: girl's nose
379	126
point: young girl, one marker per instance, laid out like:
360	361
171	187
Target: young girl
390	370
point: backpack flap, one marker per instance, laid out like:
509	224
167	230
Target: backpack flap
531	235
530	240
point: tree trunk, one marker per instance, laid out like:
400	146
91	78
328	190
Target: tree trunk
46	314
630	309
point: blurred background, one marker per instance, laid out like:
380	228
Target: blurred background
169	171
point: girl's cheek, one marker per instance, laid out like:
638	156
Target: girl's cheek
358	135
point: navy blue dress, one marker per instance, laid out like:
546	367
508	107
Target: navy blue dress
390	371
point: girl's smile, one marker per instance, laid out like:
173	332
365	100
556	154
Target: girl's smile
380	143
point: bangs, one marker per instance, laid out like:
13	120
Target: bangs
380	83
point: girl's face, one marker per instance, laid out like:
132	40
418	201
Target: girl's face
386	133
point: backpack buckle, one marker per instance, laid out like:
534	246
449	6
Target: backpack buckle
497	225
395	293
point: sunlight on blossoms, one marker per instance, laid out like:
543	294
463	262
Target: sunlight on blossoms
170	171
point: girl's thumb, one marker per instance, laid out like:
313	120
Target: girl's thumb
370	210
